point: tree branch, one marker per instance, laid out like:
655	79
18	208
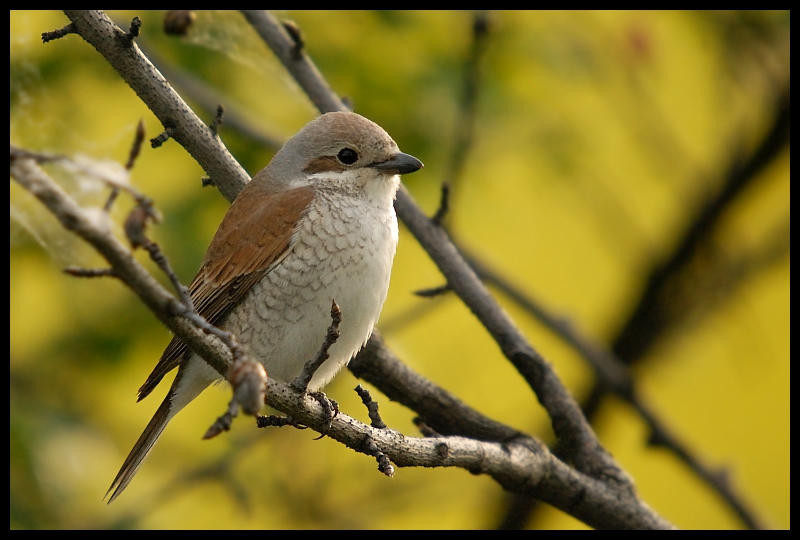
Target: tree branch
155	92
97	233
652	313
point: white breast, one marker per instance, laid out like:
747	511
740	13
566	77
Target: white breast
342	250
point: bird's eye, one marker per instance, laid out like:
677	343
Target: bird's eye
347	156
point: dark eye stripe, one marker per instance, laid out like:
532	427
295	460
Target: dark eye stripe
322	164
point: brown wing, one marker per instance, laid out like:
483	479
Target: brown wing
232	266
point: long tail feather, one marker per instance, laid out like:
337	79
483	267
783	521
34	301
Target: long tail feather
140	450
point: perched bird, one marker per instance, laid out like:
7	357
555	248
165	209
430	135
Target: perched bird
317	224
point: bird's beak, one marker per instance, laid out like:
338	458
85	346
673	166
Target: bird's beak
399	163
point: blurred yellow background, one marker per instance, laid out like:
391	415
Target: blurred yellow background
597	135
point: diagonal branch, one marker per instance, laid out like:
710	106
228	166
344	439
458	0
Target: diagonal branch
27	172
651	314
153	89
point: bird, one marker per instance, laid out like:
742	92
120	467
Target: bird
316	225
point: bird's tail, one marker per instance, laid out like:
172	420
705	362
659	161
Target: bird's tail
194	376
140	450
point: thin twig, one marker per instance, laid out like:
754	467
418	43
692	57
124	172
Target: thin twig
464	134
301	381
372	407
294	58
